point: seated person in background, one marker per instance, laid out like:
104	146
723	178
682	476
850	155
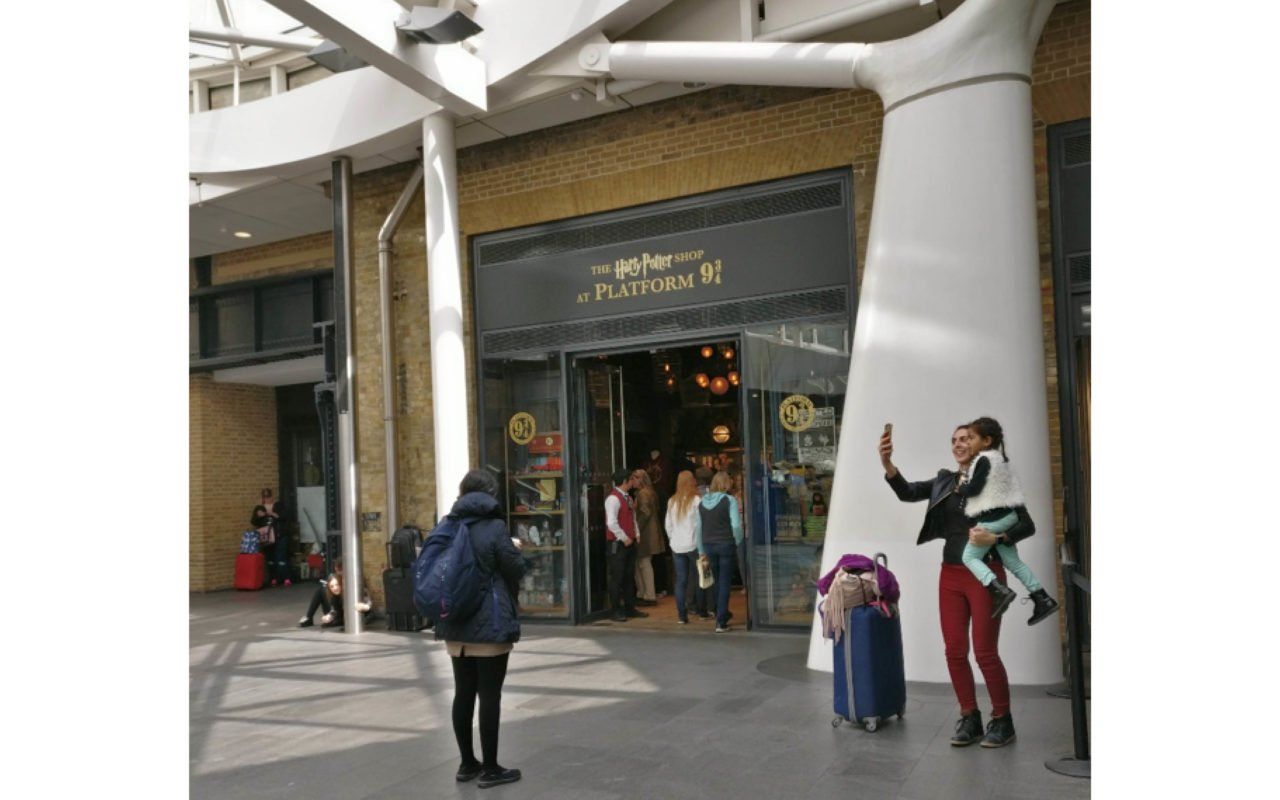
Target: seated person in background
328	595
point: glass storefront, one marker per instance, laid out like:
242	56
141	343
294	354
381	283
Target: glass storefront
524	448
796	377
708	331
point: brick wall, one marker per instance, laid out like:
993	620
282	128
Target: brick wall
279	258
711	140
233	455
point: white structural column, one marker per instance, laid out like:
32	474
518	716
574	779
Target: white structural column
450	410
949	320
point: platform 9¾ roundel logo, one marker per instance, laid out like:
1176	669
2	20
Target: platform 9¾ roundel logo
522	428
796	413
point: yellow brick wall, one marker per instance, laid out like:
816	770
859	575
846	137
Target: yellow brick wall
279	258
233	456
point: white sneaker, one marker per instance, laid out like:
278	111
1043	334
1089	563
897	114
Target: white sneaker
719	629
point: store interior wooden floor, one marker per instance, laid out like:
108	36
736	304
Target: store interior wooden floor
663	616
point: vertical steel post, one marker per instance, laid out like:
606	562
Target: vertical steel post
344	305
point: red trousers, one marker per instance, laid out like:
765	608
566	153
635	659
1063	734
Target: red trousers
962	600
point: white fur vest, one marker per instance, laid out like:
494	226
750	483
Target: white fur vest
1002	489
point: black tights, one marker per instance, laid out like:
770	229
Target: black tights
474	675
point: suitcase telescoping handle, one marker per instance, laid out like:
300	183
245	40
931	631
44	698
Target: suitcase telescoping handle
882	560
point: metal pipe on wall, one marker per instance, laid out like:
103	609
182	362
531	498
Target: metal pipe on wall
385	238
344	255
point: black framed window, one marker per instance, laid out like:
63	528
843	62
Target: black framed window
287	315
250	321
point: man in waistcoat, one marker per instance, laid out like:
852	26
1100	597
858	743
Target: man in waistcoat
620	538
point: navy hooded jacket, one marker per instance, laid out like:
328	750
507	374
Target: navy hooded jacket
501	567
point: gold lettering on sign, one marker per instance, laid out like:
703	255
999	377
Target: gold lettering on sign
522	428
651	273
796	413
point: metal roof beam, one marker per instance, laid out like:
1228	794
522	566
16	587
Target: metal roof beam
446	74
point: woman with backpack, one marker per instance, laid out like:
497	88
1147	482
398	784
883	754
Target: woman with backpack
480	644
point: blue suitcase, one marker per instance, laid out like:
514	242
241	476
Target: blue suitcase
870	684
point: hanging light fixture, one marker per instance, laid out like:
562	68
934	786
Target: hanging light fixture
728	353
701	379
719	385
734	378
720	434
708	351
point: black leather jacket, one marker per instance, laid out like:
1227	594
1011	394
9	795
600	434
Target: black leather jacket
935	491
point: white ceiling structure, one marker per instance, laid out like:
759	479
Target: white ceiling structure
258	167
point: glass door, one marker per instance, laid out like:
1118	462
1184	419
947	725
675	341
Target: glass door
796	378
599	437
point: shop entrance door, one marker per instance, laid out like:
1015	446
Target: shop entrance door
678	400
599	431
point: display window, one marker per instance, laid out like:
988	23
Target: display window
525	449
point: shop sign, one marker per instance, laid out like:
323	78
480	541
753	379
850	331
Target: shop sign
765	257
796	413
522	428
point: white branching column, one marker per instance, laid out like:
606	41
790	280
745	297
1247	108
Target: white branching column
450	410
949	321
949	317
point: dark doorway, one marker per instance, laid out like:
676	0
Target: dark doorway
681	402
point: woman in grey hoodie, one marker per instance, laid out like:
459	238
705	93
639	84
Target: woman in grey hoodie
719	535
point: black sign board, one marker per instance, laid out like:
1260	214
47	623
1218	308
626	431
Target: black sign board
786	251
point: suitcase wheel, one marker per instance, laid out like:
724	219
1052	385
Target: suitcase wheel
835	723
872	723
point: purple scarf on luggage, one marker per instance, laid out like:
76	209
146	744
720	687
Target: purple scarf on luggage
860	563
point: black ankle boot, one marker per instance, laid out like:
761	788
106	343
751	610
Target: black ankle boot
968	729
497	776
1044	606
999	731
1001	597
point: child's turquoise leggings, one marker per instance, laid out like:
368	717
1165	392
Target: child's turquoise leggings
973	554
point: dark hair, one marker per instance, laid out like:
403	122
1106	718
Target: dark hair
620	476
988	428
259	516
478	480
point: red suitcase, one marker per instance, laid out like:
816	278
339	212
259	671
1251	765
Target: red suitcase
251	571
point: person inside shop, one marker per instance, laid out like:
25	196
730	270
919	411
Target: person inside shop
682	523
272	538
328	596
620	539
720	534
964	605
480	645
649	540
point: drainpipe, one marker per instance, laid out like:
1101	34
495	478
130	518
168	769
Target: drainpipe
385	237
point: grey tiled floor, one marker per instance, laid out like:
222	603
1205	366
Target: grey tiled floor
279	712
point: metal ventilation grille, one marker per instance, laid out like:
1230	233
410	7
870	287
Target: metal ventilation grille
1075	150
776	308
666	223
1078	268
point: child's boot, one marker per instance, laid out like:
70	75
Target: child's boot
1044	606
1001	597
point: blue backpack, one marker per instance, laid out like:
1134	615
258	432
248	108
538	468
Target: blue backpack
448	585
249	543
